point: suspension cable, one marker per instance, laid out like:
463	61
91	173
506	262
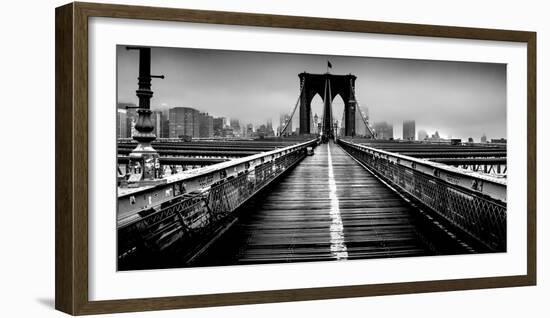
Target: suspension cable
294	110
365	121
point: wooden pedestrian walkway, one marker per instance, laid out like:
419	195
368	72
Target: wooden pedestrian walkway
327	208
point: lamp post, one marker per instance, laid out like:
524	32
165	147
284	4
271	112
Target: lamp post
144	160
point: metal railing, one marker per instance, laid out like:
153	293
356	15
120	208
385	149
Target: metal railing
196	204
473	202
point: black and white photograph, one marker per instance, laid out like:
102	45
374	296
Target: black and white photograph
229	158
268	159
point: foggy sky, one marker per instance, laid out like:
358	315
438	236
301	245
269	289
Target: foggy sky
459	99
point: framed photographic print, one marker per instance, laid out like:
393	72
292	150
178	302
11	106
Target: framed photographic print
211	158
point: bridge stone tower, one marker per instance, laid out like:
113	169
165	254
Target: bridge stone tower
327	86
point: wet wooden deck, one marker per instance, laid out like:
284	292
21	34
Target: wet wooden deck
327	208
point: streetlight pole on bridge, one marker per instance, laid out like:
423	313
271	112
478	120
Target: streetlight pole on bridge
144	159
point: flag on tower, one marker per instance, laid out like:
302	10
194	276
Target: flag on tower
329	65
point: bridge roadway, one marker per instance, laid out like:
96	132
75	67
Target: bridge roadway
328	207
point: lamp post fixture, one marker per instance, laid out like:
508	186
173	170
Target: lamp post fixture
144	160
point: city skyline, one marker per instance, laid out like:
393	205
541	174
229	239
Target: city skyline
189	122
457	99
393	130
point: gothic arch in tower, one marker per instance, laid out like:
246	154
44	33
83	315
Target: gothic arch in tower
327	86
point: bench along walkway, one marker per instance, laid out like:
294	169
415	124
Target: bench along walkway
327	208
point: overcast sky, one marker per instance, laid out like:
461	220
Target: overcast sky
456	98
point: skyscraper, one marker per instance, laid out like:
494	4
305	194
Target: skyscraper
183	121
282	122
269	128
130	109
234	123
206	126
435	136
156	118
384	130
249	130
219	125
261	131
409	130
165	126
122	124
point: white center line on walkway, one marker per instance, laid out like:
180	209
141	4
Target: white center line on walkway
337	242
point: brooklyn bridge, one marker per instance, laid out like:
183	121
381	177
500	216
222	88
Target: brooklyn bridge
329	195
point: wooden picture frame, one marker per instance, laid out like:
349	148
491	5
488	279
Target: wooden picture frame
71	122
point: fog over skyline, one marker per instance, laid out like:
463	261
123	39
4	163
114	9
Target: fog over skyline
458	99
